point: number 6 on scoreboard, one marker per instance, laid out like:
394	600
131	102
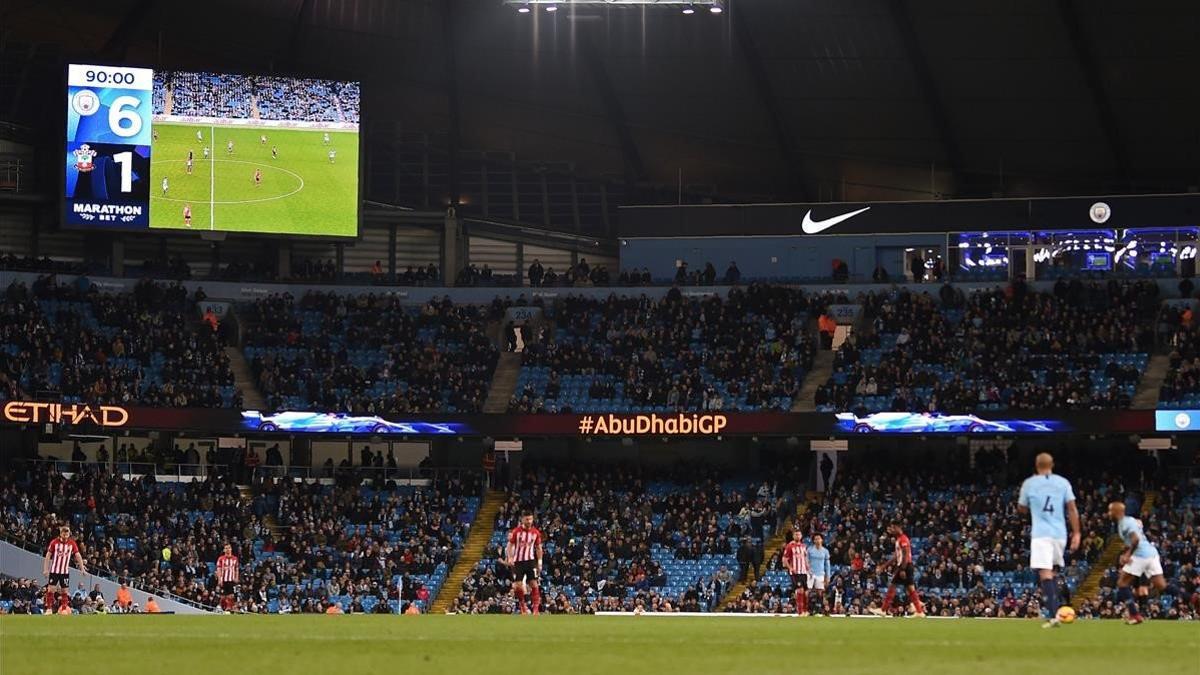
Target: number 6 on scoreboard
124	108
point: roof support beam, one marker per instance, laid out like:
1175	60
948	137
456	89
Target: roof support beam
19	91
1085	53
293	48
766	95
453	109
935	104
635	170
118	42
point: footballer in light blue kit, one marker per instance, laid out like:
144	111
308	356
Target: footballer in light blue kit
1050	502
819	569
1140	559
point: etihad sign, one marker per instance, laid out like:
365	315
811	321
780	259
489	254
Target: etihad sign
31	412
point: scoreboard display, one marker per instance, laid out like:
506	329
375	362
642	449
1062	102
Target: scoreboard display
161	150
109	132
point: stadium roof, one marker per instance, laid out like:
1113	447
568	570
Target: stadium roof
774	99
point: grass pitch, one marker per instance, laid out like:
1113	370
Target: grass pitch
495	645
301	191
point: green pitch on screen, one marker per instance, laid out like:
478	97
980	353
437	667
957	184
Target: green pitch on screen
301	191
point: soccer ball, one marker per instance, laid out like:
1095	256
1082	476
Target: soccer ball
1066	614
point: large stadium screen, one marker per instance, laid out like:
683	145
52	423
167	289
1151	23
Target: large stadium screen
169	150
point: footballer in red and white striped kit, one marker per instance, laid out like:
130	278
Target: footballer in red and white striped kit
56	566
795	559
523	555
905	573
227	576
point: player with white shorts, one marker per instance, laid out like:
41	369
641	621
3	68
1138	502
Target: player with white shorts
1047	498
1046	553
1148	567
1139	559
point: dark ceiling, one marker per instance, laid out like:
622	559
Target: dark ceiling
773	100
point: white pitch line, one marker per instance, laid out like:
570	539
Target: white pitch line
212	180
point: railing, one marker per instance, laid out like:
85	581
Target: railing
262	471
130	469
366	473
12	169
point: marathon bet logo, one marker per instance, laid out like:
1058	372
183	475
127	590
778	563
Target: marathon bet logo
107	209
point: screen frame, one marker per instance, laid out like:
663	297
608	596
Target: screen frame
1107	267
64	226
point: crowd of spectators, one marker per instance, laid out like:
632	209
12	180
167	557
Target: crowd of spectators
145	347
303	547
316	270
203	94
1173	529
580	273
239	96
1182	383
123	526
705	277
16	263
26	596
970	544
1077	347
369	353
748	350
622	538
683	276
307	100
20	596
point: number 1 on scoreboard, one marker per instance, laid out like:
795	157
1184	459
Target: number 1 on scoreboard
125	159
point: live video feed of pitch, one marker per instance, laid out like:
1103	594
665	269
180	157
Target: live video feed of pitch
209	151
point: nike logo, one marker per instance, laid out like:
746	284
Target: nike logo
811	226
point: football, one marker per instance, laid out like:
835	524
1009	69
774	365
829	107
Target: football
1066	614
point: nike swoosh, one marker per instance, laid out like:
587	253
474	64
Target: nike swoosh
811	226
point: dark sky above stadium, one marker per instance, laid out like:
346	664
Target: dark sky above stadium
774	99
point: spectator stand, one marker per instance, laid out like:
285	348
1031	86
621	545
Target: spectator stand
303	545
619	539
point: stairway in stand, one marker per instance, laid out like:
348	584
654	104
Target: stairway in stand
277	530
770	548
821	370
504	383
248	493
243	378
472	552
1089	588
1146	396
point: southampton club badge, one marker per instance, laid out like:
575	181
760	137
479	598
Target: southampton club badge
84	158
